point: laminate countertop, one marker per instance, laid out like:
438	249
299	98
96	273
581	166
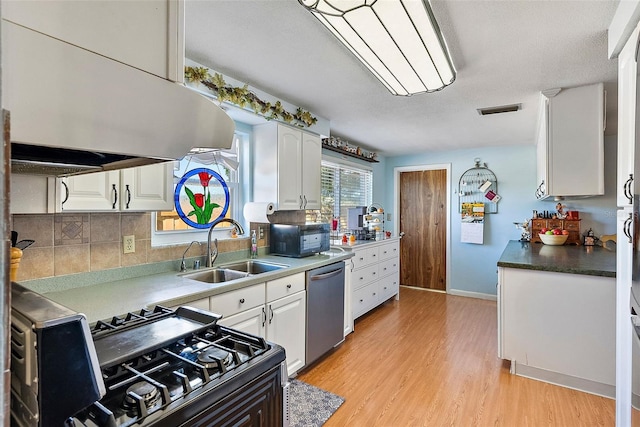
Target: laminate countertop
589	260
115	298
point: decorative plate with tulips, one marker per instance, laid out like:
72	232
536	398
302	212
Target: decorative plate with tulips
201	197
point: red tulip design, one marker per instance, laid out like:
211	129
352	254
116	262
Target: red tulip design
201	202
199	197
204	178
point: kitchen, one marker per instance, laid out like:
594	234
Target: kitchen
516	171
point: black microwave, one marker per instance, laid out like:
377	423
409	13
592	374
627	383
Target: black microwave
299	240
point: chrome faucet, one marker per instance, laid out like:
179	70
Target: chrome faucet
183	266
211	256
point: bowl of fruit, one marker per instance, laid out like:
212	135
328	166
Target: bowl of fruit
553	236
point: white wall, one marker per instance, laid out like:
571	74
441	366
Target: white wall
474	266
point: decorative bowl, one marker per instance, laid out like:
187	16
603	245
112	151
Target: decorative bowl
554	240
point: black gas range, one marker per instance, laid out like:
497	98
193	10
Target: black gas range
157	367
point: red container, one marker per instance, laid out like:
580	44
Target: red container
573	215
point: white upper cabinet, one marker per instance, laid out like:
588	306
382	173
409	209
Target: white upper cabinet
148	35
145	188
287	167
571	142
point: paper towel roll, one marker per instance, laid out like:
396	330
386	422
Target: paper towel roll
258	211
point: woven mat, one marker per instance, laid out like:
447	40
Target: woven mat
310	406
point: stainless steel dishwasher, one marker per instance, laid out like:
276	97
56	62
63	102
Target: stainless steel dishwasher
325	309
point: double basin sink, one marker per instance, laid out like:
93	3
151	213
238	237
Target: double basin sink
237	270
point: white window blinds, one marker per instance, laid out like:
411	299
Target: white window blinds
344	187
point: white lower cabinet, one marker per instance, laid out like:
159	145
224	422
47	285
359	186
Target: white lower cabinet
250	321
286	326
559	327
374	276
275	310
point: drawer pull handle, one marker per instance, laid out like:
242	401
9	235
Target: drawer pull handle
241	300
289	286
362	278
374	294
361	300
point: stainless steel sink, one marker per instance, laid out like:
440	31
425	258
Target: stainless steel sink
216	275
253	266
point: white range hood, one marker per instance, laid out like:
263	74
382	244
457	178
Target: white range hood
74	111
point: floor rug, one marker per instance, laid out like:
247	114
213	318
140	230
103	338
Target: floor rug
310	406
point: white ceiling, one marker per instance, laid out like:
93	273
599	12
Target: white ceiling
505	52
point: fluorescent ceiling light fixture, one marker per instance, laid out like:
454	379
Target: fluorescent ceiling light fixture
399	41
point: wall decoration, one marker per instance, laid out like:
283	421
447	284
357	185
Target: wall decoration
243	97
204	195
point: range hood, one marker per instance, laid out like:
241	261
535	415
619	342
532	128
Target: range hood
73	111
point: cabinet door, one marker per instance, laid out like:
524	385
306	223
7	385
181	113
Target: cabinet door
250	321
286	327
144	34
627	103
311	170
91	192
576	134
624	278
147	188
289	168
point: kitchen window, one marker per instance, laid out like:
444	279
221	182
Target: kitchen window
169	229
344	185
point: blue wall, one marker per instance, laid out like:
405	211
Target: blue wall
473	267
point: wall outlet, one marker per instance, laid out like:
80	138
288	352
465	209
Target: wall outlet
129	243
388	217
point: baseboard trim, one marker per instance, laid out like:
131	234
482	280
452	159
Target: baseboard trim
575	383
469	294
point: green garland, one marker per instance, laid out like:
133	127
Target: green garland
243	97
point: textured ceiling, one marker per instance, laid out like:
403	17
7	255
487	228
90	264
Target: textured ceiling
505	52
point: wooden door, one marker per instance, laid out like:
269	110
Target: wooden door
423	219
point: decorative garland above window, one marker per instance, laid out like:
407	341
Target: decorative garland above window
243	97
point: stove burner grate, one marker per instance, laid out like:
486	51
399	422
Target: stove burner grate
141	393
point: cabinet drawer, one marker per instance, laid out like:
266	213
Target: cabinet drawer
389	286
572	225
364	276
387	267
389	250
364	299
371	255
285	286
360	259
554	223
239	300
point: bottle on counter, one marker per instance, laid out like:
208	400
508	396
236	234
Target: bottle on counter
344	238
254	244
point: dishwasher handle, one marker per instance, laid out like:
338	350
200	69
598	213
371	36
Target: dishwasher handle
326	275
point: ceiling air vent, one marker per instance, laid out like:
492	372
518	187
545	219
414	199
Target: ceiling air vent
500	109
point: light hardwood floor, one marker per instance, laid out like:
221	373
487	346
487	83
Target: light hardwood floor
430	359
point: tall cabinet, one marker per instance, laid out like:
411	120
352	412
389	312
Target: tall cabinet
287	167
627	283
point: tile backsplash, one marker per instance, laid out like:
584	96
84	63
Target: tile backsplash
84	242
